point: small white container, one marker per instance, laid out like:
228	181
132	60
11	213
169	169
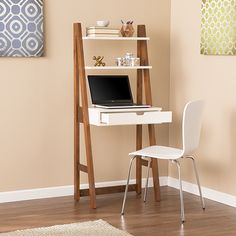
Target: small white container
134	61
102	23
128	57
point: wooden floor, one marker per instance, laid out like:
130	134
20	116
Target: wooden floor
150	218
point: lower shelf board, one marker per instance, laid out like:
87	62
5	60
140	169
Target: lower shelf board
117	67
108	190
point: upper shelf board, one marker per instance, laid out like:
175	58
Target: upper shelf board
116	38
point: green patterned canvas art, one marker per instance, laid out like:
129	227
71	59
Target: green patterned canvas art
218	27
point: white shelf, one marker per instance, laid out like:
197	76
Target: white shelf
116	67
116	38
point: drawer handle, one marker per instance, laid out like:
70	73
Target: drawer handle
140	113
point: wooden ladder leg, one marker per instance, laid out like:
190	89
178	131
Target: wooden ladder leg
139	127
148	96
84	111
76	121
139	135
152	138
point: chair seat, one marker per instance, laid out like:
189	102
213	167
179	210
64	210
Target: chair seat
160	152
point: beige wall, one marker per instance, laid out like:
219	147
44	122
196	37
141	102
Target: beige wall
36	128
212	78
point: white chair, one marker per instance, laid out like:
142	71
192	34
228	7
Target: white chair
191	127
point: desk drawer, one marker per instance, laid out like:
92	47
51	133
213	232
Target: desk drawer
131	118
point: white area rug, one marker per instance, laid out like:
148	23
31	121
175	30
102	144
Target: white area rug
91	228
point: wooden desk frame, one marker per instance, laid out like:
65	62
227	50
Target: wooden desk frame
81	115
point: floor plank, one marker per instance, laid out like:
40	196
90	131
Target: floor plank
150	218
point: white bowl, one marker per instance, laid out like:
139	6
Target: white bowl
102	23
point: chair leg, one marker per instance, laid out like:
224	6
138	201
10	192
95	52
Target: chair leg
146	186
180	192
127	185
198	181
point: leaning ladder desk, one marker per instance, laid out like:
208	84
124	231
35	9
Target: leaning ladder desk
94	116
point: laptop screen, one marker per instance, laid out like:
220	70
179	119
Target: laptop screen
110	89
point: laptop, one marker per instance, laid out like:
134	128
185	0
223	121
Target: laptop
111	91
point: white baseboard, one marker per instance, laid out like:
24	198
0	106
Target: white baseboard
39	193
61	191
208	193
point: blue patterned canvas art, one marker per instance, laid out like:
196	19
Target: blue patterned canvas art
21	28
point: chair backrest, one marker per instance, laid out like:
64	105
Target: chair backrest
191	126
